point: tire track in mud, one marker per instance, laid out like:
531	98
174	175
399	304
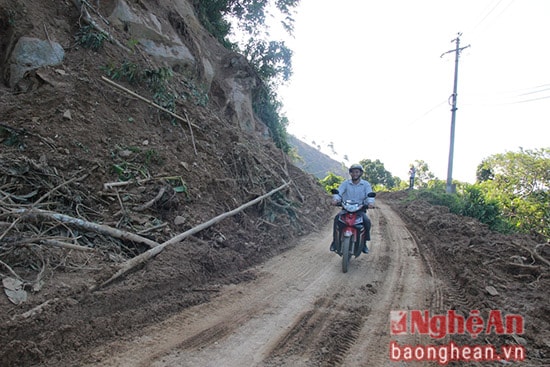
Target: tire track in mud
301	310
323	334
405	284
356	331
448	294
283	288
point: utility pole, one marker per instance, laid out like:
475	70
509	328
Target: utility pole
450	188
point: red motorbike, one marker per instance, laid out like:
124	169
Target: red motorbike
351	231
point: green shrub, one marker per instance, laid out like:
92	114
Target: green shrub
331	181
470	201
88	37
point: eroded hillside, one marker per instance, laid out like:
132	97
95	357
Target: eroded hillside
67	134
73	144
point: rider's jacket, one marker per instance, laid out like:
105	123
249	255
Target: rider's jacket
355	192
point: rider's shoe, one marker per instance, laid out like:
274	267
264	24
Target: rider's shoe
332	247
365	249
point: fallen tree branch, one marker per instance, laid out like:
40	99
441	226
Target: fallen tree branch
150	229
537	269
11	270
534	254
76	178
13	224
88	19
110	185
69	246
96	11
94	227
36	310
140	259
109	81
191	131
152	201
43	197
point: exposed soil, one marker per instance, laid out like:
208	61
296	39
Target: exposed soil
471	263
301	310
259	288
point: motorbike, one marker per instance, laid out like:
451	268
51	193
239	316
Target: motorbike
351	232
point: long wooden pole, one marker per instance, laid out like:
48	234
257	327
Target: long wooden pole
135	261
109	81
77	222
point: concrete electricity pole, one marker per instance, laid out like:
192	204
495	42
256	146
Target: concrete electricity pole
450	187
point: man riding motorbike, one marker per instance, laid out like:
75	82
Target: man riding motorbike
355	189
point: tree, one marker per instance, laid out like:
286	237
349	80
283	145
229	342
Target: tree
268	109
331	181
271	59
330	145
423	174
520	182
249	16
376	173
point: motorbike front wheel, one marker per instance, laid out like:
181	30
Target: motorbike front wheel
346	253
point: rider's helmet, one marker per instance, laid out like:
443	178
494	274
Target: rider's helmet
356	166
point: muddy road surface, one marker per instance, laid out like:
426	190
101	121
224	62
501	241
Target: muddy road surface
301	310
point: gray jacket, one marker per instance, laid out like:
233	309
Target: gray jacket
357	193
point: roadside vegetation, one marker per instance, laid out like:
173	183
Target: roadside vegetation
511	192
225	19
271	59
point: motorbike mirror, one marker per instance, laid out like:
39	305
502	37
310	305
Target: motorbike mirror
371	194
334	191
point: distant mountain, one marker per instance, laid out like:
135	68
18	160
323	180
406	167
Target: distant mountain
314	161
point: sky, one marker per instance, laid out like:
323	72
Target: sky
370	78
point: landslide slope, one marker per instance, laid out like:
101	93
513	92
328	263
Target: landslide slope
65	133
478	270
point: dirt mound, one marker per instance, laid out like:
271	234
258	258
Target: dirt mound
65	136
483	270
67	141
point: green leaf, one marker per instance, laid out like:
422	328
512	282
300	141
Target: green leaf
180	189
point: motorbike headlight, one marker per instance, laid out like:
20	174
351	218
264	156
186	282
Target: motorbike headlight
351	207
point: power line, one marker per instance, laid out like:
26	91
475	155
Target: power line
506	103
526	90
529	100
511	99
427	112
484	18
513	93
536	91
486	15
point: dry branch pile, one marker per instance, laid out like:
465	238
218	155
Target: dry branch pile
33	242
38	233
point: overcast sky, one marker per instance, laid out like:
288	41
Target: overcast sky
369	78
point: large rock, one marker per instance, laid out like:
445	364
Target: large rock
157	37
172	34
180	41
33	53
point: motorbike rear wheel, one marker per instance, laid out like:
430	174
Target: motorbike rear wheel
346	253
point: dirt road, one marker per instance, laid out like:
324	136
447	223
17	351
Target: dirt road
300	310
